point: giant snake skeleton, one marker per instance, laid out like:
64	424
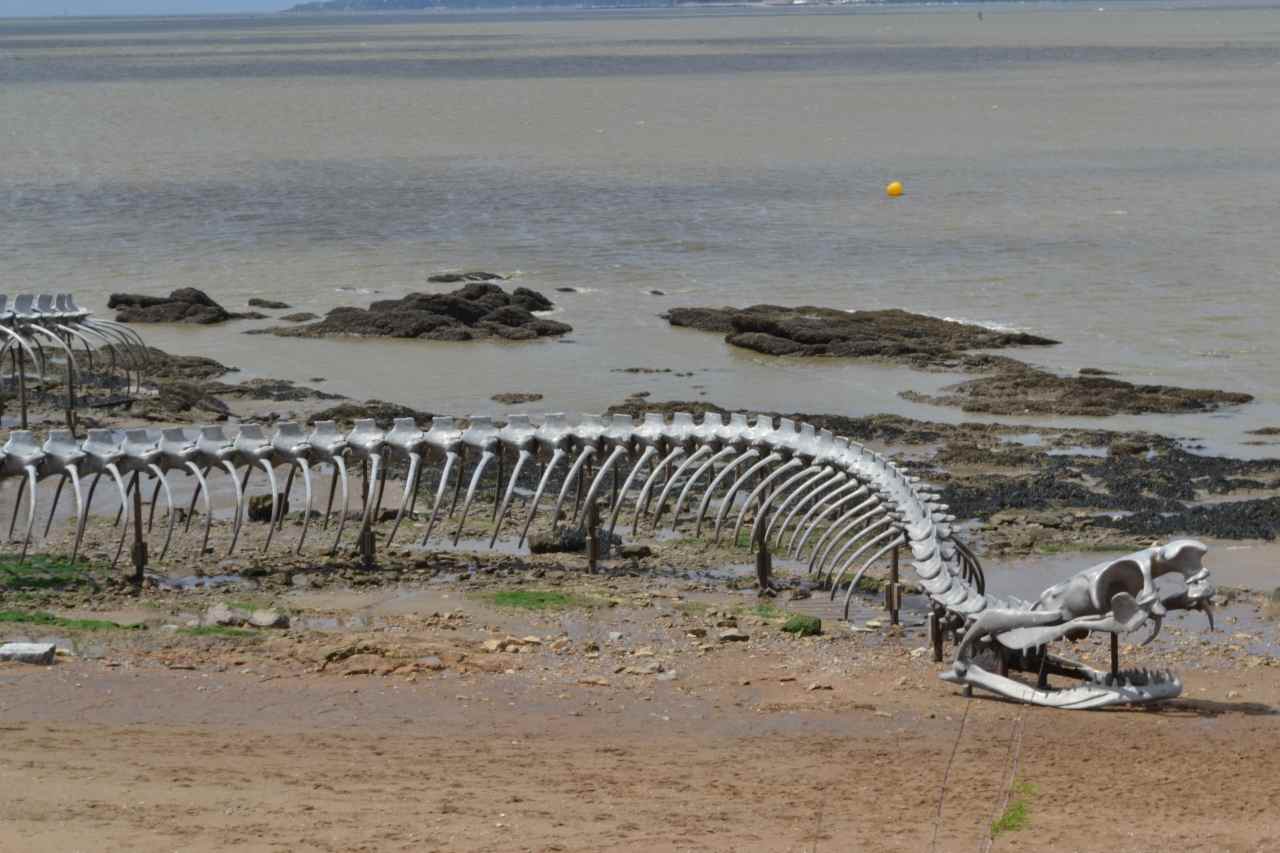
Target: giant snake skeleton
822	499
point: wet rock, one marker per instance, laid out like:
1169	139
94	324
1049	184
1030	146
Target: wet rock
651	667
431	663
476	311
458	277
300	317
381	411
657	293
163	365
1247	519
225	616
364	664
268	619
279	390
567	290
559	540
34	653
803	626
636	551
1019	389
260	507
181	401
733	635
185	305
272	304
915	339
512	398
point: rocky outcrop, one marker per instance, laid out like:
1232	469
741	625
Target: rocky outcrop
270	304
464	277
381	411
185	305
1025	390
472	312
1011	388
513	398
895	335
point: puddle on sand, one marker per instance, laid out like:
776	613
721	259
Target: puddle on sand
1034	439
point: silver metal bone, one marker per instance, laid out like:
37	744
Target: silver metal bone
860	506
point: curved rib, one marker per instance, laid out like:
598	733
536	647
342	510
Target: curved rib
784	495
306	512
410	480
524	457
80	513
277	519
688	487
727	503
73	369
80	336
275	500
747	456
865	518
450	457
898	540
821	505
693	458
202	488
124	507
471	492
556	456
53	508
17	504
162	483
649	453
238	518
341	465
587	452
758	491
594	489
31	511
835	529
642	500
825	479
23	344
845	522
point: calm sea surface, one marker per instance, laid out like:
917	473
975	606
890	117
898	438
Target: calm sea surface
1108	177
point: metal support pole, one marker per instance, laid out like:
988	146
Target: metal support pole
764	559
21	370
139	541
1115	655
593	537
935	634
368	548
893	592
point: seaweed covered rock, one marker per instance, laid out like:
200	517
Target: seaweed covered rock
1019	389
893	334
381	411
479	310
184	305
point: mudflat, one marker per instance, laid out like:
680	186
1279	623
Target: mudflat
540	709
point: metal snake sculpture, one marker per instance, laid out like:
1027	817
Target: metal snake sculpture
826	500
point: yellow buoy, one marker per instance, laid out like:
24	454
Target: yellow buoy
894	189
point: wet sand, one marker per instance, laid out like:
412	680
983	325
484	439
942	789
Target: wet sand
157	741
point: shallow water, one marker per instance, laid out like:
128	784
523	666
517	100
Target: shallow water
1106	178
